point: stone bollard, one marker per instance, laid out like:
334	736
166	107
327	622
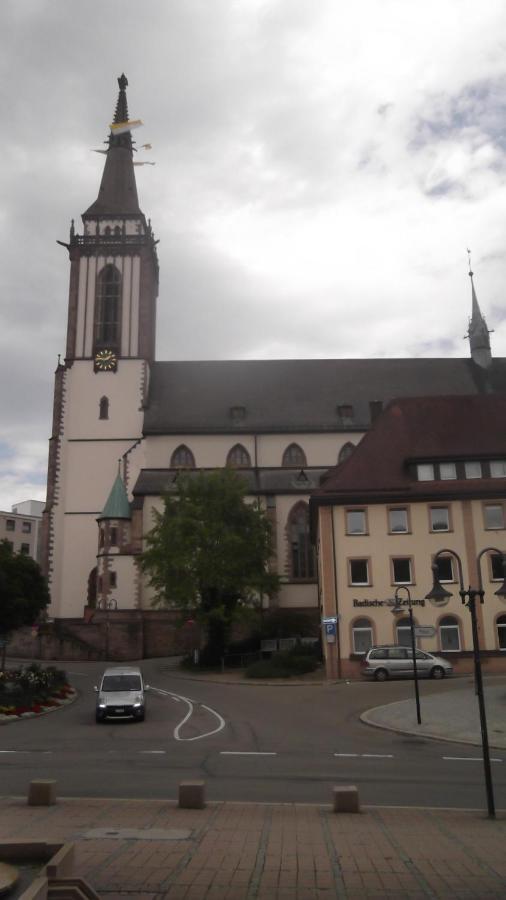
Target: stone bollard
42	792
192	794
345	798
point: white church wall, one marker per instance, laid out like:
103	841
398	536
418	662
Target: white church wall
79	550
320	449
87	388
125	593
91	468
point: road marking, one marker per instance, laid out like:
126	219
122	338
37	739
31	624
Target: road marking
247	753
366	755
177	729
346	754
152	751
471	758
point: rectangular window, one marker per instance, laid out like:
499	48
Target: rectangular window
496	567
359	571
447	471
25	549
425	472
498	468
494	515
113	579
356	521
472	469
10	525
439	518
26	527
362	639
401	571
445	568
450	638
113	536
398	521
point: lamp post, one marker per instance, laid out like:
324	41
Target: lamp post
395	611
440	596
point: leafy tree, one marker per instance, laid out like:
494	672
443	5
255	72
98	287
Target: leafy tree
208	552
23	592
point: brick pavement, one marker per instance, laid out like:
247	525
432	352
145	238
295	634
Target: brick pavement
246	851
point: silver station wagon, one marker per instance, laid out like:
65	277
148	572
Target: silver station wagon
121	694
394	661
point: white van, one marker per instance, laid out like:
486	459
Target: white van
121	694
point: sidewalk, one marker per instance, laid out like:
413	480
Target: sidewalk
451	716
236	851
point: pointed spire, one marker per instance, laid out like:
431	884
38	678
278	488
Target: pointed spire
117	506
118	190
478	333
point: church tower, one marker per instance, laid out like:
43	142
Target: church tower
101	386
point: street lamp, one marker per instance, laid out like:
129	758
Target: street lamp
395	611
440	596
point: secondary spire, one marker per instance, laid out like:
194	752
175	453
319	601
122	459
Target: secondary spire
478	333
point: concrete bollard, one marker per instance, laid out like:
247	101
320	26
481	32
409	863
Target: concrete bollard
345	798
192	794
42	792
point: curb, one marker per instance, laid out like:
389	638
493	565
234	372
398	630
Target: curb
365	718
7	720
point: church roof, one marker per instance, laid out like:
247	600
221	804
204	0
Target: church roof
303	395
117	506
118	191
422	429
153	482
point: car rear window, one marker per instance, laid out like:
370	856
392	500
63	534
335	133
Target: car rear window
121	683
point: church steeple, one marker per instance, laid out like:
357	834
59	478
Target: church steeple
117	195
478	333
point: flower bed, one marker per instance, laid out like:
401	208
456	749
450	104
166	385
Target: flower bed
32	691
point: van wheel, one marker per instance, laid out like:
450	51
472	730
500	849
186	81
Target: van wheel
380	675
437	672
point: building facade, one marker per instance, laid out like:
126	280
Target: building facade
21	527
426	486
125	423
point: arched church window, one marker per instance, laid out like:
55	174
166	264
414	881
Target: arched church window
108	307
294	456
182	458
239	457
345	451
103	408
302	557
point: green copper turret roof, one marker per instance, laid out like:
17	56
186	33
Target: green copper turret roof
117	506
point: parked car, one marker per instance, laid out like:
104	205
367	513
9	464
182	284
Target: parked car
121	694
394	661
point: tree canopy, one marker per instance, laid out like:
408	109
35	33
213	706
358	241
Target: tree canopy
23	590
209	551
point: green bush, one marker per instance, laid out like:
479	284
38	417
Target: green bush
283	665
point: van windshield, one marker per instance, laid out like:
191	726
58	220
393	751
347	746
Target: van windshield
121	683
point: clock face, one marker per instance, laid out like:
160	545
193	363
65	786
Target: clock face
106	361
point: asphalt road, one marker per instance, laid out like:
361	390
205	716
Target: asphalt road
249	742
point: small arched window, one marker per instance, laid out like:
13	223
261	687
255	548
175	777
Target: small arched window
403	631
302	556
294	456
103	408
449	634
239	457
108	307
182	458
362	635
345	451
501	632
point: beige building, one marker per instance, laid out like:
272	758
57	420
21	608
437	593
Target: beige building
426	486
21	527
284	423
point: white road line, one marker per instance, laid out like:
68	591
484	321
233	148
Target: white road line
346	754
152	751
246	753
198	737
366	755
471	759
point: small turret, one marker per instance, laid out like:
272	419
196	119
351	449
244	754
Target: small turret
478	333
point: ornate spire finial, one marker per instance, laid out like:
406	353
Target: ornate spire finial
119	466
471	273
121	112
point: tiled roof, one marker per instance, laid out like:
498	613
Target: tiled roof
423	428
153	482
299	395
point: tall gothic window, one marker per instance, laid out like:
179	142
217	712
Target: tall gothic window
108	308
103	408
302	557
239	457
182	458
294	456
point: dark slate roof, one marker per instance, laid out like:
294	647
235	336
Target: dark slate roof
422	429
298	394
153	482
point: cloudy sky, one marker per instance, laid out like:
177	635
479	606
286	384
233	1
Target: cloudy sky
321	168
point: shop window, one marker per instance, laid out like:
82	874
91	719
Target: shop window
294	456
402	570
501	632
362	635
356	521
182	458
302	557
359	571
439	518
239	457
449	634
398	521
